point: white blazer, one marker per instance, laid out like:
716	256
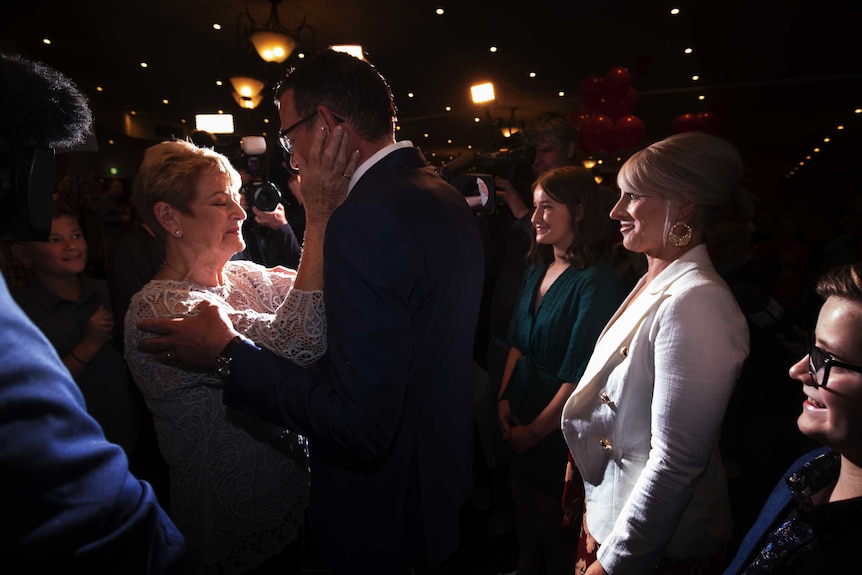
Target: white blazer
643	422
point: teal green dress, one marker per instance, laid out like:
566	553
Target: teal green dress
556	341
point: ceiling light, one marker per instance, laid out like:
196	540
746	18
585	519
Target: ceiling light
272	41
247	91
482	93
246	86
247	102
354	50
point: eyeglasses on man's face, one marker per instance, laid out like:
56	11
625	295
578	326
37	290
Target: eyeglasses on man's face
820	363
284	140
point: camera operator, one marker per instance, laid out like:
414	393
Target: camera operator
269	239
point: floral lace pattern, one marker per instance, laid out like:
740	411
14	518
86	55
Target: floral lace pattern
238	486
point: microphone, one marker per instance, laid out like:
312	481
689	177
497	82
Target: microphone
40	110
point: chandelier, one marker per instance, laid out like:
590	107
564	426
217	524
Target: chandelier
271	39
247	91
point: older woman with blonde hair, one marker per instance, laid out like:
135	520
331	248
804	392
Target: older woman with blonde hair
643	422
238	486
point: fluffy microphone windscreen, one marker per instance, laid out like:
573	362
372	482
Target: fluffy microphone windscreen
39	106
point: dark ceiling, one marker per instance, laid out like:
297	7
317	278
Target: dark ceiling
779	75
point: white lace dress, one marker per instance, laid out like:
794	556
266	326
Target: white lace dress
238	487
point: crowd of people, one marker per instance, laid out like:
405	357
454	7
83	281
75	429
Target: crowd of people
597	356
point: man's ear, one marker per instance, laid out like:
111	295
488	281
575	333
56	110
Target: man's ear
331	119
571	150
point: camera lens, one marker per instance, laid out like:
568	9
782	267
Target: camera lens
265	196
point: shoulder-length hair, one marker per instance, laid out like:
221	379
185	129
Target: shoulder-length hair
573	186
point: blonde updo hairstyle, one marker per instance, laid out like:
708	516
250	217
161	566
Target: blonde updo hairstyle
170	173
690	167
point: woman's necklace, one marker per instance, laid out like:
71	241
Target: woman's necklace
175	271
187	277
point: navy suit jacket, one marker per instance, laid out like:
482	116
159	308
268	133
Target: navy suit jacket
69	502
388	411
777	506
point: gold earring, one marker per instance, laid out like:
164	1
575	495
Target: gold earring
678	239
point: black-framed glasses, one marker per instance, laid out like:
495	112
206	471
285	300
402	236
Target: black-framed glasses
284	140
820	362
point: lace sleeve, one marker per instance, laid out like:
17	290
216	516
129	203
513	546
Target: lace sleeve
290	322
297	330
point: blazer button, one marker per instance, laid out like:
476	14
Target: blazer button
606	399
604	444
624	351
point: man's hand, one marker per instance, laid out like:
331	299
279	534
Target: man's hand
274	219
191	343
510	196
326	172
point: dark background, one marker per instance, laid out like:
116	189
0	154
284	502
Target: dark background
778	76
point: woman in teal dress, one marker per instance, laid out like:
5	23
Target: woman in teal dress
570	291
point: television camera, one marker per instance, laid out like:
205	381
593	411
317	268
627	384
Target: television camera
473	175
258	191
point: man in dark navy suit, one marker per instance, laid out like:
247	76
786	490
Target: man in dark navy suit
388	411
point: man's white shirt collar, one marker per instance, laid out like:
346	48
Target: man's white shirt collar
379	155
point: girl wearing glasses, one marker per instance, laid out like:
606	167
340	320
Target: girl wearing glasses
812	522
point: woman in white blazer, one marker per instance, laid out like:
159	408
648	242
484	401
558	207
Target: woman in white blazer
644	420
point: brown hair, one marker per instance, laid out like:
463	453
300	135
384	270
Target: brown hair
573	186
842	281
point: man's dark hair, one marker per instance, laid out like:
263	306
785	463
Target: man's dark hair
549	125
351	88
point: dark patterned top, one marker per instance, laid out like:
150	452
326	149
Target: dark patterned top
810	532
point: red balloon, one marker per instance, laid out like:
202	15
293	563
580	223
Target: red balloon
577	118
628	132
706	122
684	123
617	81
595	134
622	105
590	90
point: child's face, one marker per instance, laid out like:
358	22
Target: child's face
65	251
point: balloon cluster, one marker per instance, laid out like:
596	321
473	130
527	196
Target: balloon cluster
606	120
700	122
